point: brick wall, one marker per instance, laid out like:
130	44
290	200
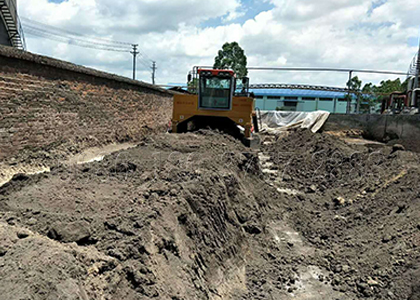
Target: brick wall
48	110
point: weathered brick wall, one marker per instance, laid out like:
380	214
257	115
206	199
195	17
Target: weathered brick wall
50	111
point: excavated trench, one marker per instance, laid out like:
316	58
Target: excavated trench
199	216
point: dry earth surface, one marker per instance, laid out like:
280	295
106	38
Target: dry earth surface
199	216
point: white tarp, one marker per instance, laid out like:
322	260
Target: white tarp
277	121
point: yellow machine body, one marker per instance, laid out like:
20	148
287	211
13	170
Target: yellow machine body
186	107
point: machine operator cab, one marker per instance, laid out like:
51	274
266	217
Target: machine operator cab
215	104
216	88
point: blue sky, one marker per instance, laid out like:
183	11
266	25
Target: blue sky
413	41
179	34
249	8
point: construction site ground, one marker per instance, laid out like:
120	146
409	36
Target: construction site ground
200	216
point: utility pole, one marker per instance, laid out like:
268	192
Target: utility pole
154	72
349	92
134	52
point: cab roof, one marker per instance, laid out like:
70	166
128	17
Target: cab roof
216	72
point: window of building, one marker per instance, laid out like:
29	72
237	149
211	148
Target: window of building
308	98
287	105
259	97
274	97
290	98
326	99
290	104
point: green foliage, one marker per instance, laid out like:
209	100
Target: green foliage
354	84
383	90
193	86
372	93
386	87
232	56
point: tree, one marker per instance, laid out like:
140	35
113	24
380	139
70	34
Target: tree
354	86
373	94
368	94
232	56
381	92
193	86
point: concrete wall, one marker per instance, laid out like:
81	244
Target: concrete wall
403	129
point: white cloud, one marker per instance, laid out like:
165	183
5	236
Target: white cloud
126	16
295	33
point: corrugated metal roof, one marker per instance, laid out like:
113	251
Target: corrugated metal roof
298	93
288	92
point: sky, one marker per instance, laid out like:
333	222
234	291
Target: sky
180	34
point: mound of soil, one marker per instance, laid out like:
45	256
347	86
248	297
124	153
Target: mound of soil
360	210
196	216
170	219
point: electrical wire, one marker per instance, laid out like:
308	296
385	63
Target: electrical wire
145	56
46	31
73	38
143	63
72	41
60	31
38	26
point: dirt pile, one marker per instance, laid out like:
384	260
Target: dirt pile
360	210
197	216
170	219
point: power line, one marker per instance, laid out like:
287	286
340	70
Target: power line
81	38
61	31
47	31
39	29
145	64
102	42
146	57
72	41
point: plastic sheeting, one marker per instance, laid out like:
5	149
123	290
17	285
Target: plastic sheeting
277	121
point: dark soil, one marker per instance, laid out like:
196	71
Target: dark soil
193	216
361	209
